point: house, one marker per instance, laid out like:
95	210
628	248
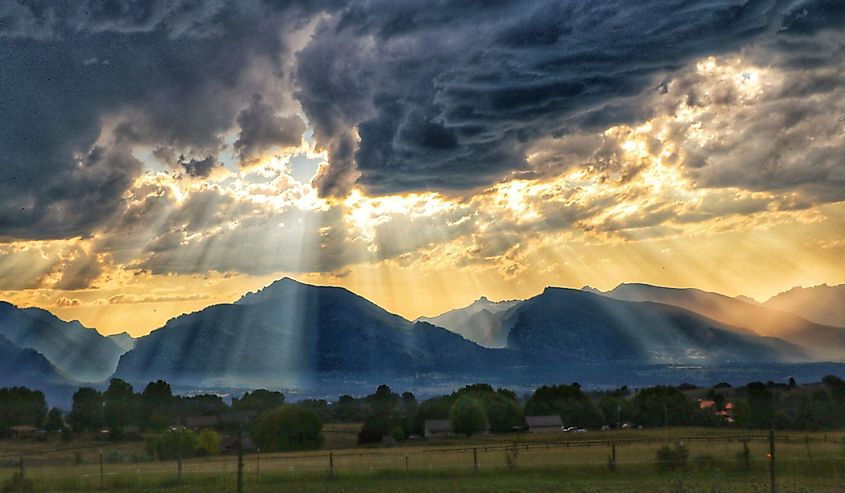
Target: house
235	418
544	424
22	431
229	444
437	428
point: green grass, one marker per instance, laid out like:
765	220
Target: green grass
546	465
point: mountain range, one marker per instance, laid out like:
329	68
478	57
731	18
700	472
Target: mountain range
481	321
822	304
824	342
289	332
81	353
295	335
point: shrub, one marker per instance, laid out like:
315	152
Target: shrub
670	457
208	443
173	444
397	433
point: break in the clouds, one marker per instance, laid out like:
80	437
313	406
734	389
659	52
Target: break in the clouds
257	137
402	95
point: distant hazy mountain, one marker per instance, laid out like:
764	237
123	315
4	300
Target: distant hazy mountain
124	340
822	304
27	367
481	321
826	342
291	332
82	353
569	325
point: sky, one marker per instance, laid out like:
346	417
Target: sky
160	156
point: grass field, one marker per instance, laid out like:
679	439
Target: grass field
530	463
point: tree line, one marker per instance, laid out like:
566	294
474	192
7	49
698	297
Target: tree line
275	425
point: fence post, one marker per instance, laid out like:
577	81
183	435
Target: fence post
331	464
613	456
240	459
102	484
807	445
475	459
258	464
22	469
772	477
179	467
406	461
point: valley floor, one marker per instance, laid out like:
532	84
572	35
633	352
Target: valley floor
717	462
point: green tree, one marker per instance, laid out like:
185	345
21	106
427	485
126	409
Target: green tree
173	444
258	400
574	407
503	414
21	406
761	406
118	406
208	443
87	410
157	403
662	405
55	420
288	428
468	416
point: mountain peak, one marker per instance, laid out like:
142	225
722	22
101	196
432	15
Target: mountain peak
589	289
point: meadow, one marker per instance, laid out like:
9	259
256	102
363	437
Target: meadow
718	461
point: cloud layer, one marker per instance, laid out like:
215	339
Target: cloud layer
169	138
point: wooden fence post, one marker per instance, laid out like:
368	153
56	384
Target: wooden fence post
102	483
772	476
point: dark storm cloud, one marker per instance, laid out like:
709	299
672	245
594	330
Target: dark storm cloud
449	95
199	168
262	128
81	84
409	95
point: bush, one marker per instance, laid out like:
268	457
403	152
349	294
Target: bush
288	428
173	444
208	443
670	458
397	433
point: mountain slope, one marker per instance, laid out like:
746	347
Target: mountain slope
290	332
82	353
822	304
26	367
123	340
826	342
568	325
480	322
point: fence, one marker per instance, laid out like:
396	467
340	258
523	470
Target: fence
741	463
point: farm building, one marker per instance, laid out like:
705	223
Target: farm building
23	431
199	422
437	428
543	424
